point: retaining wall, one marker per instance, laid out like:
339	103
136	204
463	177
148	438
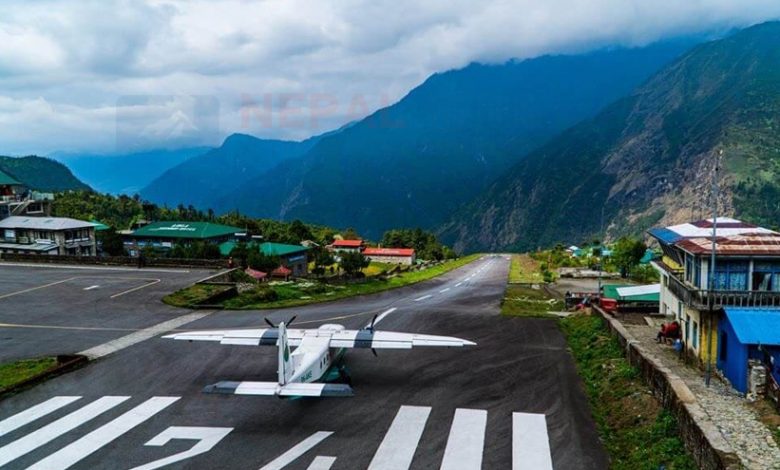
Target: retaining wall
700	435
115	261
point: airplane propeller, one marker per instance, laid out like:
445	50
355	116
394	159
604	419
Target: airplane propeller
289	322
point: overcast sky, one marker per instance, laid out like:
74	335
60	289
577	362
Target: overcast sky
105	76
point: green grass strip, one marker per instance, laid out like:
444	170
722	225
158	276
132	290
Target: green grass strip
12	373
636	431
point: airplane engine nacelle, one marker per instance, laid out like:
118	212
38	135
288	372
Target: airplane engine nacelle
331	327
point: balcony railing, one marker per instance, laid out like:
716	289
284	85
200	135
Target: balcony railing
702	299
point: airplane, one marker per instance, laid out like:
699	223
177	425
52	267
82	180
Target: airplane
317	359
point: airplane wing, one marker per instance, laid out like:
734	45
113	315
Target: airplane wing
392	340
248	337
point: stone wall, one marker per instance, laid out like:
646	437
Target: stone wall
701	437
115	261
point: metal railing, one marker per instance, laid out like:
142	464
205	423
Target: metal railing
700	299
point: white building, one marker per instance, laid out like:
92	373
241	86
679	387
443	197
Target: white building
47	236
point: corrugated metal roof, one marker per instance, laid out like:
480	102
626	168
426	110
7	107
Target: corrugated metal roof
185	230
280	249
348	243
758	244
755	325
612	291
632	291
43	223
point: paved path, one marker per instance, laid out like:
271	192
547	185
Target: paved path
737	422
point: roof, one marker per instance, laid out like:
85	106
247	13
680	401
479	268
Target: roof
6	179
29	247
726	227
255	274
347	243
280	249
99	226
43	223
755	325
177	229
633	294
281	271
754	244
389	252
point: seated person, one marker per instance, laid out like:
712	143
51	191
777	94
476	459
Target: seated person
668	331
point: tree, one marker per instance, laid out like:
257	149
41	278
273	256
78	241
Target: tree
240	253
322	258
353	262
627	253
112	242
262	262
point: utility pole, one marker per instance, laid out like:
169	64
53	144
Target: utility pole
711	280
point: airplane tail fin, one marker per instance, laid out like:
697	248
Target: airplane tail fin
286	367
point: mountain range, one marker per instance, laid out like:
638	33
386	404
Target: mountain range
648	158
41	174
413	163
124	173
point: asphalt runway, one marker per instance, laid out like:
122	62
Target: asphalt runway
514	401
47	310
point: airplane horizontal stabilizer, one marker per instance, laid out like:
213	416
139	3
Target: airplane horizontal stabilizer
274	389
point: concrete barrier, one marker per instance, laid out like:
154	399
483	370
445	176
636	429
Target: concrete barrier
699	434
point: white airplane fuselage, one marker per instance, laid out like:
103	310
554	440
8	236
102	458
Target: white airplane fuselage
313	359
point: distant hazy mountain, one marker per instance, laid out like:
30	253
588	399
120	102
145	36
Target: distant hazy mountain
125	173
208	178
415	162
42	174
649	158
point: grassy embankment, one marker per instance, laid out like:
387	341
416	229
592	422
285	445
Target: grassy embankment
293	294
16	372
637	433
522	300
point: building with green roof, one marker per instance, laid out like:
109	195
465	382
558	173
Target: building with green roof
165	234
293	257
8	180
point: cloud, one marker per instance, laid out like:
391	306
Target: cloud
281	68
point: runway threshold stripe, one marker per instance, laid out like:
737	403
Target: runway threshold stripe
90	443
466	441
397	448
530	444
141	335
444	290
322	463
51	431
29	415
301	448
459	284
418	299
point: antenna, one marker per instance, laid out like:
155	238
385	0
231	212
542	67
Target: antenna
711	280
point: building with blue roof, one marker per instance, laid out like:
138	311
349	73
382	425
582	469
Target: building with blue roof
745	334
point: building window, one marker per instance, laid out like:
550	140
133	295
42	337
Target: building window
766	276
723	346
731	275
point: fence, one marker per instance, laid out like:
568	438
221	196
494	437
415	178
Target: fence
115	261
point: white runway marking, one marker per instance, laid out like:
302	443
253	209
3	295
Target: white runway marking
459	284
207	438
383	315
90	443
91	287
423	298
24	291
530	444
444	290
141	335
466	442
322	463
291	455
57	428
31	414
397	448
153	282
